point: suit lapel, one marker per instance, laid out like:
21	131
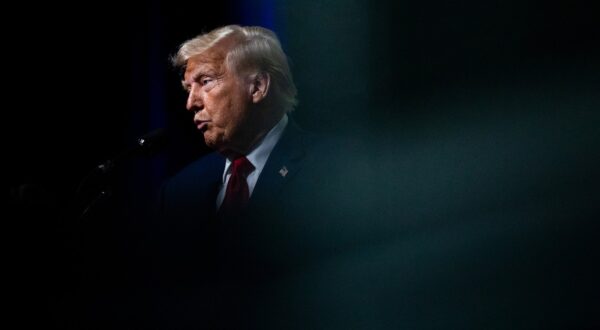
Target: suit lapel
210	182
283	164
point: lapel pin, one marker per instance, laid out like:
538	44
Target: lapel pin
283	171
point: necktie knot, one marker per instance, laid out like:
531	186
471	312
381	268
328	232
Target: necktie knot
242	166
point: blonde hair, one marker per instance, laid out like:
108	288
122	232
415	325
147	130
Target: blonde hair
255	47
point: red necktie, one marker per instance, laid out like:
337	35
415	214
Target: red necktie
237	194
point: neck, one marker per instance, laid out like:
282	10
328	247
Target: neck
253	137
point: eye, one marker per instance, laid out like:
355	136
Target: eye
205	80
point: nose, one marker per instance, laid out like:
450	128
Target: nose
194	101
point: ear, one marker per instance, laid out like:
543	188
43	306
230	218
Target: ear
260	86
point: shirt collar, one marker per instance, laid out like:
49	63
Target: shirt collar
259	155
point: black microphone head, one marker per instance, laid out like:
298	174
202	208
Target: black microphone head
153	140
146	145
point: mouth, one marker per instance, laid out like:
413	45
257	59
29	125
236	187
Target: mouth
202	126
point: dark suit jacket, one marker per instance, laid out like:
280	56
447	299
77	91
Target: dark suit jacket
220	266
190	196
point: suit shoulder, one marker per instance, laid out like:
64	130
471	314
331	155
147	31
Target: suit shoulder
192	187
208	164
204	170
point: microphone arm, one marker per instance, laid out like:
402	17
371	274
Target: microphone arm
93	188
145	145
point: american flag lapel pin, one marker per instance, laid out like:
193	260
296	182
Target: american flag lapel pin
283	171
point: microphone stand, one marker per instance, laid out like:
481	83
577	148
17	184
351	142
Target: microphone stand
94	189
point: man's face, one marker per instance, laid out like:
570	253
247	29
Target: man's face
220	100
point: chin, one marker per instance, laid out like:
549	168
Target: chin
214	143
211	143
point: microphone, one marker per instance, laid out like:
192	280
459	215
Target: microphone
152	141
93	188
145	145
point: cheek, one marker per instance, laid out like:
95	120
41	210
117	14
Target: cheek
214	107
226	109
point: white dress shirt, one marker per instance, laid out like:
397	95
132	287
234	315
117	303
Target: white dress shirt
258	157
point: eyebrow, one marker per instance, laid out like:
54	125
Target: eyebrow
194	75
205	70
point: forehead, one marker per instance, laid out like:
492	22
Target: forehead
211	60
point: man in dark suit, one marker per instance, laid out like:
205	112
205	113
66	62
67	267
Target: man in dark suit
240	90
235	219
